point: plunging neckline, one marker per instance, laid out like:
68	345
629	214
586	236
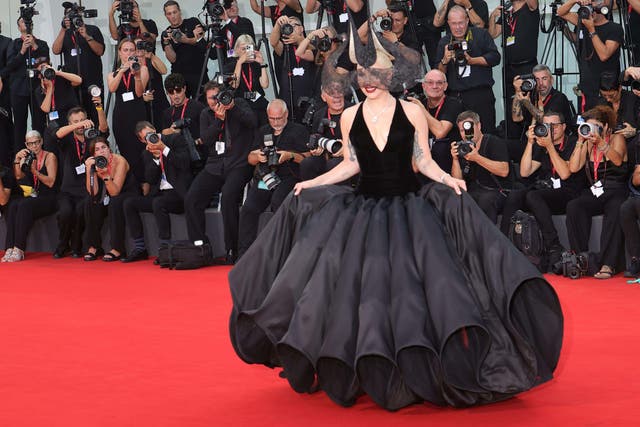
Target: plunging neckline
366	125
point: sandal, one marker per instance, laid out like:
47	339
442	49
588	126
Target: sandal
90	256
110	257
605	272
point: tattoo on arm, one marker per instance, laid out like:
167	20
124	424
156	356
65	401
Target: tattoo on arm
417	150
535	112
352	153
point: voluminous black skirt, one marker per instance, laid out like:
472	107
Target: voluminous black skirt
406	299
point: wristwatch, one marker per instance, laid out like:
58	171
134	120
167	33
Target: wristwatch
592	34
106	178
469	8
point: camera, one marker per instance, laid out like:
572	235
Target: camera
225	97
310	106
329	6
270	152
267	171
541	130
214	8
464	147
459	47
47	73
75	14
176	35
419	96
635	85
588	129
135	65
467	126
94	90
27	12
323	44
182	123
152	138
572	265
226	94
250	96
286	30
28	161
91	133
584	12
101	162
528	83
126	11
386	23
329	145
147	46
508	6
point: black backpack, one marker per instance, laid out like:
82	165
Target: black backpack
526	235
184	255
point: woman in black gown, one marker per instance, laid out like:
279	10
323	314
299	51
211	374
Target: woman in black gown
404	293
128	83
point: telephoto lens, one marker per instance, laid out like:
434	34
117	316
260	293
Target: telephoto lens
286	30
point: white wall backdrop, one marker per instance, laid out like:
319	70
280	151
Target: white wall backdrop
47	24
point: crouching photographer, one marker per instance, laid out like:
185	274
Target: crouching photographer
35	170
277	151
483	162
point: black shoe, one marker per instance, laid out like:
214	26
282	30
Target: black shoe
156	261
634	268
60	253
136	255
76	254
555	255
231	257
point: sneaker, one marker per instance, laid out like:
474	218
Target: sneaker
7	255
634	268
16	255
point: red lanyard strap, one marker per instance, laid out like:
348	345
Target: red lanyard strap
512	23
79	151
184	108
249	81
333	132
439	107
596	162
39	163
127	80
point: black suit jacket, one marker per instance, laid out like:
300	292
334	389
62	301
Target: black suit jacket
177	166
5	46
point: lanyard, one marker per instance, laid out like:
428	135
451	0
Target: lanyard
596	163
79	144
277	12
249	81
333	132
127	80
53	95
439	107
184	107
546	101
512	23
553	168
220	135
39	163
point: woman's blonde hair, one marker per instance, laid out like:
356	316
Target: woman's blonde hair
244	38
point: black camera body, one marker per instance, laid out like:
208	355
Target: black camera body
635	85
459	47
528	83
91	133
464	147
227	93
250	96
267	171
135	65
286	30
28	161
271	153
214	8
27	12
572	265
101	162
126	11
47	73
152	138
145	45
585	12
323	44
419	96
386	23
310	106
76	14
542	130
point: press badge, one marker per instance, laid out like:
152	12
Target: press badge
220	147
105	201
597	189
81	169
298	71
344	17
464	71
556	183
127	96
53	115
262	185
229	53
74	52
511	40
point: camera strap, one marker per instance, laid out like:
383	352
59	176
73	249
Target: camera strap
127	80
80	151
53	95
437	113
247	81
184	108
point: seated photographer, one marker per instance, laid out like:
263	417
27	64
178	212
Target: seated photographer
602	155
167	178
466	56
598	44
441	112
338	12
36	171
108	183
250	75
534	95
133	25
477	10
73	147
325	143
277	150
56	95
483	162
296	76
623	103
81	46
145	52
629	216
546	161
227	130
291	8
183	112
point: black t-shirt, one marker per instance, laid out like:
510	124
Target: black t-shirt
190	109
522	25
249	76
286	11
339	16
189	58
576	181
90	63
591	67
448	110
294	137
302	79
73	153
479	6
330	126
64	97
16	66
634	27
237	27
493	148
136	32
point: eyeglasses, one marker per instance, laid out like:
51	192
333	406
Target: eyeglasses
31	143
175	90
434	82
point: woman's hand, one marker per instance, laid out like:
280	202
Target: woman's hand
89	162
148	96
297	189
456	184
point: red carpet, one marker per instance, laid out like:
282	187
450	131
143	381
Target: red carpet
95	344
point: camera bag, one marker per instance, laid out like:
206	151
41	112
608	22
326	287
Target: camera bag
525	234
184	255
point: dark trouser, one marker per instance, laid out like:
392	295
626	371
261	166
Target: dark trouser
430	40
95	214
579	213
491	201
482	101
70	221
20	107
21	214
161	204
545	203
629	215
256	203
6	140
202	189
314	166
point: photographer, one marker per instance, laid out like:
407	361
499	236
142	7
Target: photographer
476	10
72	143
528	106
276	168
338	11
233	27
291	8
56	94
145	51
598	41
81	47
227	130
483	162
623	103
441	112
185	47
295	75
23	53
167	177
393	24
546	158
35	170
325	125
182	110
250	75
629	215
132	24
108	183
128	83
602	155
466	57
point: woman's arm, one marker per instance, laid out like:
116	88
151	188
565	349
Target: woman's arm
158	64
579	155
113	80
74	79
52	170
45	106
142	79
119	174
615	150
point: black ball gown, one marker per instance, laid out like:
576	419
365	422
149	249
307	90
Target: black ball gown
406	294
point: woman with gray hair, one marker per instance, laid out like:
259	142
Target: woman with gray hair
36	171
